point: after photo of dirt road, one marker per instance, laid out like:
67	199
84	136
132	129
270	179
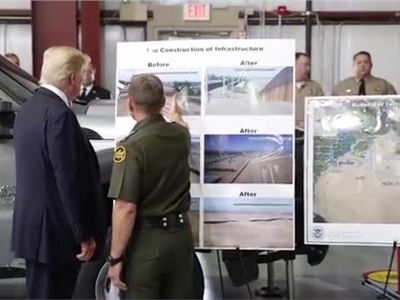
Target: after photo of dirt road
257	223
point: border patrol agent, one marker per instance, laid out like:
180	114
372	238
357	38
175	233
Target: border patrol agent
152	245
305	87
363	83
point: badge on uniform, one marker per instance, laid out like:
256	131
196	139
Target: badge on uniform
119	154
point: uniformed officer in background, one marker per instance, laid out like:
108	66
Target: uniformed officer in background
363	83
305	87
152	245
89	89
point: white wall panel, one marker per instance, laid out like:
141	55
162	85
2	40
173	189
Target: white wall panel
276	32
334	46
294	5
383	42
111	35
266	4
326	55
332	49
356	5
15	4
17	39
111	4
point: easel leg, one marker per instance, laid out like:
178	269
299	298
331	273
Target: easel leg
394	248
270	291
290	278
221	279
398	268
271	275
244	272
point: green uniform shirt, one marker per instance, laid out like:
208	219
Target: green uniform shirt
151	168
309	88
373	86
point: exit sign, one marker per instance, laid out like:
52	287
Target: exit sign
196	12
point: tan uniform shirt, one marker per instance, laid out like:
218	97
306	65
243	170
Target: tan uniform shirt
305	89
373	86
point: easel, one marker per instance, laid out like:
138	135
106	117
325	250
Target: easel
270	291
243	270
385	292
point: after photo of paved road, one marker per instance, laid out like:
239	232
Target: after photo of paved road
248	159
259	223
245	91
184	86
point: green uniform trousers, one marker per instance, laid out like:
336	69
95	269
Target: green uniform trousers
159	264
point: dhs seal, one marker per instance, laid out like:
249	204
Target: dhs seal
318	232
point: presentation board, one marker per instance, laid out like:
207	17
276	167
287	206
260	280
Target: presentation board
352	176
237	98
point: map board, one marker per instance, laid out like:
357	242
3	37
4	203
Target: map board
353	170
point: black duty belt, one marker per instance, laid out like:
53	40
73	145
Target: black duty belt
162	222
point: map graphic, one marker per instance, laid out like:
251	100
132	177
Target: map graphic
355	157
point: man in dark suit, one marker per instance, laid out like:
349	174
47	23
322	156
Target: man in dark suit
89	90
59	215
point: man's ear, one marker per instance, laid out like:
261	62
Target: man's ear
72	78
131	106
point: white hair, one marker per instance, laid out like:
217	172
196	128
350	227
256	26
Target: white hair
59	63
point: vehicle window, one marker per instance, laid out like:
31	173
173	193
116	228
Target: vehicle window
6	98
7	118
14	88
28	84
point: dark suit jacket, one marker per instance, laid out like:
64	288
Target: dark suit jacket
59	197
97	92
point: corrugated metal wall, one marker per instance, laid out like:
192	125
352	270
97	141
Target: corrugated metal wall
332	45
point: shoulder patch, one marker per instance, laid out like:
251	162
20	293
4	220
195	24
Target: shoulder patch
119	154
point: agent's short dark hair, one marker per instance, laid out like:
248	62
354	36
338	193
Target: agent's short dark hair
300	54
146	91
366	53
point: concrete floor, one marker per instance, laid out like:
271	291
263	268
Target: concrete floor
337	277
